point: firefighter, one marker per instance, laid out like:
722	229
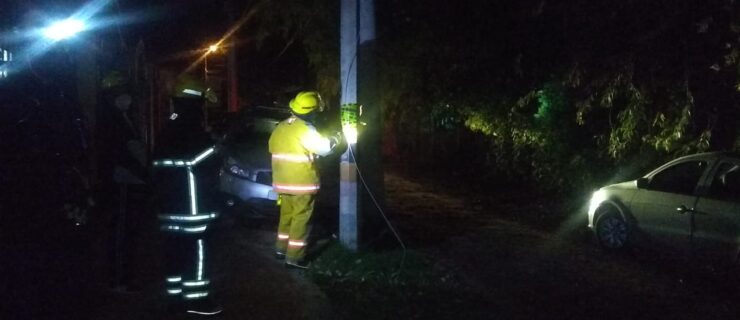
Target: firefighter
123	168
295	145
182	176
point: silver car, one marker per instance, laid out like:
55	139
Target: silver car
246	175
690	202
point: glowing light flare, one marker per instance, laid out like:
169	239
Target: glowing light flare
40	39
596	199
213	48
314	142
238	24
64	29
7	56
350	133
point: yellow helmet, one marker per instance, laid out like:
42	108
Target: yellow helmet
306	102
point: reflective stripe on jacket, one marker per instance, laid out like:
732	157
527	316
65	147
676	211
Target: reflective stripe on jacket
294	146
186	223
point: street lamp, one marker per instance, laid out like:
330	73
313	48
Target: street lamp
63	29
211	49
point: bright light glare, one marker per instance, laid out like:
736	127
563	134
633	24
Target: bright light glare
64	29
315	143
597	198
212	48
350	133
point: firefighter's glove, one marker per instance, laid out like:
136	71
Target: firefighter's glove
335	139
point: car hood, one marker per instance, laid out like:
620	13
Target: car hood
627	185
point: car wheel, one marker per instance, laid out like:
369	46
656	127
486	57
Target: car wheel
612	230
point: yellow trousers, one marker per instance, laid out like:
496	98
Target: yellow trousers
294	225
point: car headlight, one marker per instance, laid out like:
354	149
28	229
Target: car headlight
596	199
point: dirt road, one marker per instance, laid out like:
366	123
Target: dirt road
502	268
520	272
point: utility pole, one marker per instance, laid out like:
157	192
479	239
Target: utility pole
359	189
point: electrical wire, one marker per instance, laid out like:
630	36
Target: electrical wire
380	209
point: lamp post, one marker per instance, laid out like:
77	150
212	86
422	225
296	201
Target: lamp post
211	49
214	48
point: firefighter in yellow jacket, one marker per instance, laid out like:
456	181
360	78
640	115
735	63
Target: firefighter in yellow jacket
295	145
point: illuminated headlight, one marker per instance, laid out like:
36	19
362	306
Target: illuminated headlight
596	199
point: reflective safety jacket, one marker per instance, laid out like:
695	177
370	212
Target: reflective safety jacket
295	144
175	177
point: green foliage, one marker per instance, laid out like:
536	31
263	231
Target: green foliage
552	103
556	100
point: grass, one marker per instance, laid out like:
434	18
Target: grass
387	284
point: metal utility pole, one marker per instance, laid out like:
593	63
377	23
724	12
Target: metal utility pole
359	104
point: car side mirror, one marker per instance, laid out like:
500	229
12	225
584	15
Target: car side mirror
642	183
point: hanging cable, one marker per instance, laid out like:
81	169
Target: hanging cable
380	209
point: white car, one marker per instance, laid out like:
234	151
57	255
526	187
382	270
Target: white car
690	202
